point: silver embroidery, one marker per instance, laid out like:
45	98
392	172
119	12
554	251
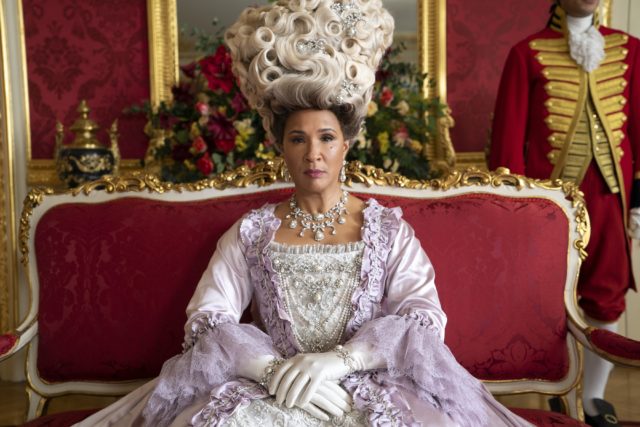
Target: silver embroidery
264	412
318	282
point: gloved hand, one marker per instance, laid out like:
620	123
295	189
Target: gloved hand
634	224
298	378
329	399
254	369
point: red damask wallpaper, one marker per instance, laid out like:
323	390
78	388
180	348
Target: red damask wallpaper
86	49
479	36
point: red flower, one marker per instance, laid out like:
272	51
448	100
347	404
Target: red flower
225	145
217	70
189	70
204	164
221	127
386	96
198	146
238	103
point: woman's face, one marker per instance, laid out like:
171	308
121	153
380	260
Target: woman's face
314	149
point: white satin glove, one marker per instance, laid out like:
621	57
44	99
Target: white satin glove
298	378
255	369
330	399
634	224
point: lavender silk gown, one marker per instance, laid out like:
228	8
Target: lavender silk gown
378	293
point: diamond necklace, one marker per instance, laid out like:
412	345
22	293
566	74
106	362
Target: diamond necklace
317	222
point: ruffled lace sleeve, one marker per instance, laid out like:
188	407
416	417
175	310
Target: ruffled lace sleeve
216	345
406	338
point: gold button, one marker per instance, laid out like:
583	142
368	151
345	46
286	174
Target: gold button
597	137
597	148
596	126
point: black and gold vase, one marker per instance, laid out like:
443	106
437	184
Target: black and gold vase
86	158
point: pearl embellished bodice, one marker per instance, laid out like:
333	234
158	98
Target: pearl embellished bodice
317	284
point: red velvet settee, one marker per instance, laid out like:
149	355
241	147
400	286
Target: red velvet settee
112	265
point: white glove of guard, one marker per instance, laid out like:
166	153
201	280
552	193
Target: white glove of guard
297	380
634	224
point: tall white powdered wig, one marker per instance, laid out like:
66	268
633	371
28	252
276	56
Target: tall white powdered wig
310	54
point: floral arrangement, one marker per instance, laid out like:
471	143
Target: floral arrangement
209	128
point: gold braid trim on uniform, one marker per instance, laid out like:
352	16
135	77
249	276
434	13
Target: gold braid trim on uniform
613	104
555	58
614	55
561	106
584	109
562	90
611	87
558	123
556	140
614	40
564	74
609	71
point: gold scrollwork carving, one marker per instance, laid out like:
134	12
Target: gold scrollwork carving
271	172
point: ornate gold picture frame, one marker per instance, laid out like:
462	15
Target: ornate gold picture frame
163	71
432	48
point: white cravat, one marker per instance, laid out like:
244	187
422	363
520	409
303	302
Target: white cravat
586	44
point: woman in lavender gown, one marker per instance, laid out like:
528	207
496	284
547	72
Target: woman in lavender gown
351	326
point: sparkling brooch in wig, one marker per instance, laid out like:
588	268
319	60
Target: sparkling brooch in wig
306	47
347	90
350	15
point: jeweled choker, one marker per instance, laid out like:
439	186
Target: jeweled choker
317	222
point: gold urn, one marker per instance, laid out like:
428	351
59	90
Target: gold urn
86	158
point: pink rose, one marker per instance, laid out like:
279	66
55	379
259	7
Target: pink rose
205	165
202	108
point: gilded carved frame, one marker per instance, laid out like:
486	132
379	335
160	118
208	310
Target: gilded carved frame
8	237
163	68
432	51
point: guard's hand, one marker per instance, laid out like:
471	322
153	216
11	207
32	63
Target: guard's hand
634	224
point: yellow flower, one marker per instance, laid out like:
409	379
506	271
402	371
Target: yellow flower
386	162
261	154
222	110
383	140
415	145
240	144
395	166
194	132
245	130
189	165
403	107
372	108
361	141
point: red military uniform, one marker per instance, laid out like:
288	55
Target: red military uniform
553	119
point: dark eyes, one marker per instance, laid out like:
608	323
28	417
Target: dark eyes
327	137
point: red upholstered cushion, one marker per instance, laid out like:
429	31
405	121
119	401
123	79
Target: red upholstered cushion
499	328
542	418
63	419
7	341
615	344
116	277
